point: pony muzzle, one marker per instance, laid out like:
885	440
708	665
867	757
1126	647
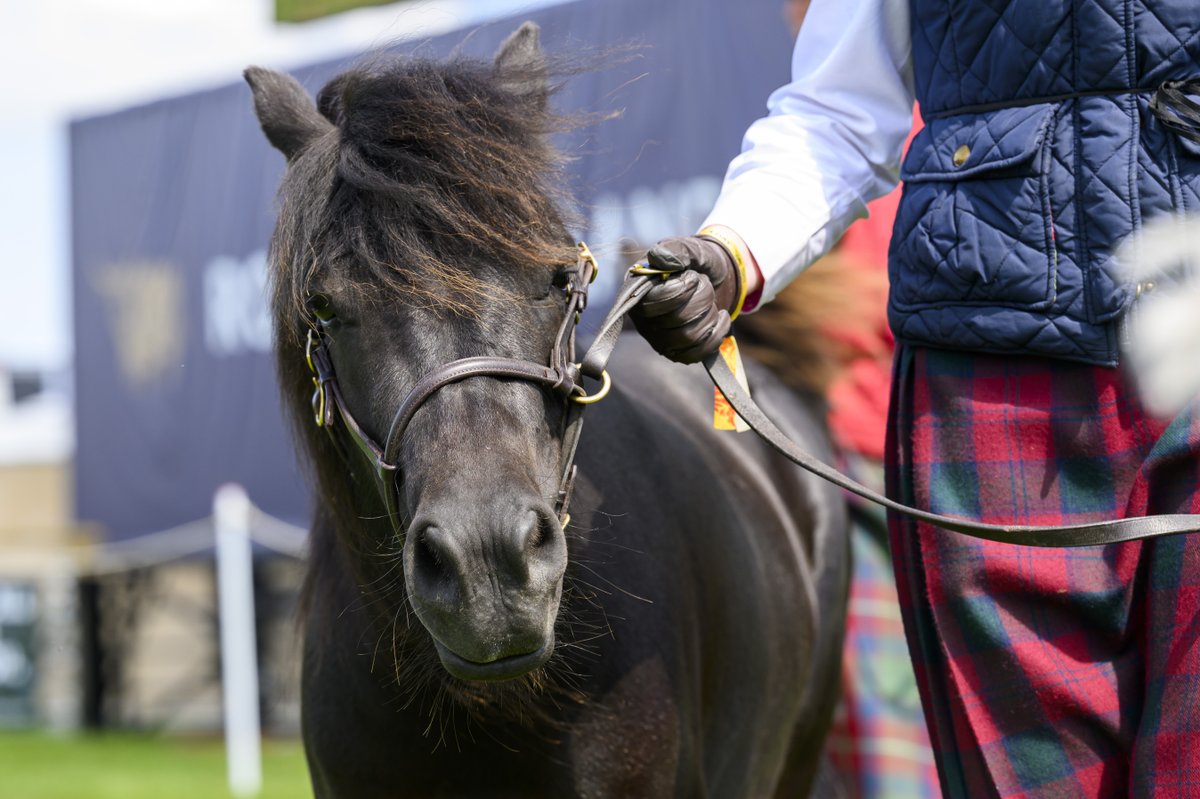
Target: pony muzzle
487	595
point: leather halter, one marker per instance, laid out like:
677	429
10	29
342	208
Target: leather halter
561	375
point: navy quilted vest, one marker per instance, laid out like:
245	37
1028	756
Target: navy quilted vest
1038	156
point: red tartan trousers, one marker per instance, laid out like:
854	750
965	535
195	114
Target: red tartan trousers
1047	672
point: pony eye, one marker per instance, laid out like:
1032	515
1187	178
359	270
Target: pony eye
560	285
321	307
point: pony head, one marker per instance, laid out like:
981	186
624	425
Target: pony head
419	224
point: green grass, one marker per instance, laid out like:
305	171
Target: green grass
304	10
125	766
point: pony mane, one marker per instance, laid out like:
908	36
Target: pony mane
431	166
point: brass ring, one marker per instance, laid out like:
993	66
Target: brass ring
319	402
586	399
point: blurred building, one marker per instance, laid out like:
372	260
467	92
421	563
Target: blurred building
40	552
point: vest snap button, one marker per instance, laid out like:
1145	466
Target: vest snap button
961	155
1144	288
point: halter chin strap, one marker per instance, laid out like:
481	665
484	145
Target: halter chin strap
561	375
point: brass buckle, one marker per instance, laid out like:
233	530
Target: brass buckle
586	257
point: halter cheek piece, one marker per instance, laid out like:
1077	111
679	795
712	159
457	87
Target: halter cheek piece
561	375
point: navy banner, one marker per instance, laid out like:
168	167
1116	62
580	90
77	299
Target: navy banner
173	205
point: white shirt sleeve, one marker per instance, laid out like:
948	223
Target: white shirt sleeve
832	139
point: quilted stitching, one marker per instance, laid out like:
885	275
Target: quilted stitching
1031	50
1168	34
1012	251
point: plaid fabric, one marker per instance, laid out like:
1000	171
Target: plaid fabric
1047	673
878	743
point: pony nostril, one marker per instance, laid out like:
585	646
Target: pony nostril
538	541
542	534
431	563
530	534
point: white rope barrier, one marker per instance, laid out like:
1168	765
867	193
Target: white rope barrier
189	540
153	549
277	535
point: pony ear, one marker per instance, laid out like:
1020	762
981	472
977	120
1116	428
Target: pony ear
520	64
287	114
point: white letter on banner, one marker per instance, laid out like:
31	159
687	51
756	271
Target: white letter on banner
237	316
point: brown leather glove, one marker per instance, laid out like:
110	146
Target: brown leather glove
688	315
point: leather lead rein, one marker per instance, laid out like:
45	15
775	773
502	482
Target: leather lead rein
1076	535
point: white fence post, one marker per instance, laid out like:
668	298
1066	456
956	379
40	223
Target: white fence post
239	657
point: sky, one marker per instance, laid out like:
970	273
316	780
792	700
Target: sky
65	59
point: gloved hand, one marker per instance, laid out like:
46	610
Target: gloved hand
687	316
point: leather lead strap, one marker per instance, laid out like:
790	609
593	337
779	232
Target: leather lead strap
1075	535
1172	103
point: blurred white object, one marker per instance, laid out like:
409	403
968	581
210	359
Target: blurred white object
37	429
1162	333
239	658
